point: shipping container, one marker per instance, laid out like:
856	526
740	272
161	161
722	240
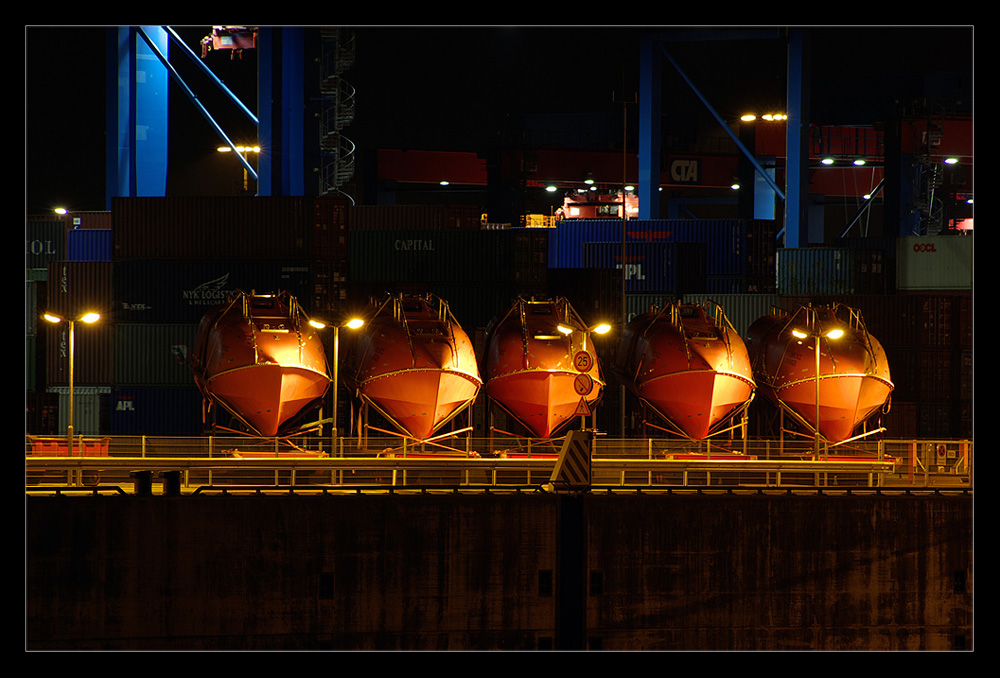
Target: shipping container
155	411
900	421
472	305
89	244
31	365
905	365
215	228
78	287
741	309
736	248
662	267
181	291
41	413
443	256
88	409
595	293
44	243
934	262
34	299
92	354
830	270
330	288
97	219
939	420
330	218
965	375
912	320
413	217
148	354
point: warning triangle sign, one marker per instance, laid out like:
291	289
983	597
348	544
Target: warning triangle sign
583	409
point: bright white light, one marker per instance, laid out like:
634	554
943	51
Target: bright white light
603	328
835	334
90	318
355	323
859	162
827	161
800	334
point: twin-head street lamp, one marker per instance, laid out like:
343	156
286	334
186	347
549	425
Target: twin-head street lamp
834	334
351	324
88	318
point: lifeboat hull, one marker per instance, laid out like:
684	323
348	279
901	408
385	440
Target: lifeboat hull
693	370
257	357
853	380
415	365
542	377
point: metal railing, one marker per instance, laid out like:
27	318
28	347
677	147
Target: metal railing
192	464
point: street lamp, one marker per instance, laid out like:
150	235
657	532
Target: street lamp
243	151
600	328
352	324
88	318
835	333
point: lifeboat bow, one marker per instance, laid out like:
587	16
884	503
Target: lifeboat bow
541	365
258	357
414	364
830	391
688	366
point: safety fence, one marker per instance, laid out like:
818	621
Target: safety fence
198	464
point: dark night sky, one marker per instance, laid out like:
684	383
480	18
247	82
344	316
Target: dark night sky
450	88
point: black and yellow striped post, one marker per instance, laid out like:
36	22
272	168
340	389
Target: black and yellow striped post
570	479
572	470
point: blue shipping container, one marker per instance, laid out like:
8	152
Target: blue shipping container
734	247
156	411
89	244
830	270
652	267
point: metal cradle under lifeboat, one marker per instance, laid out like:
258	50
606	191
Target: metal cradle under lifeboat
541	365
851	383
414	364
258	357
689	366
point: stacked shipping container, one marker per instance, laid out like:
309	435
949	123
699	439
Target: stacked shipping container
164	262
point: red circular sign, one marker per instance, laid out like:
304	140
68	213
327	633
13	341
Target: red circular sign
583	361
583	384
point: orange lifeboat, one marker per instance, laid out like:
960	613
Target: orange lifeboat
414	364
852	380
257	357
689	367
541	366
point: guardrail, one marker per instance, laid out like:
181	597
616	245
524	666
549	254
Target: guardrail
194	464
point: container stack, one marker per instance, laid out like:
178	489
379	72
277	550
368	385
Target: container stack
925	327
68	272
154	266
477	271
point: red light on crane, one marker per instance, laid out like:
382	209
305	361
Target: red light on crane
235	38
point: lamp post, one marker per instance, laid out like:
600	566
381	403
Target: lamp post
835	333
55	318
352	324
